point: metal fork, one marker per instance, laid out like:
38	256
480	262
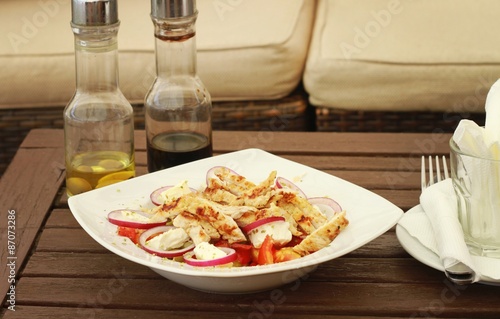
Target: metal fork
458	273
433	178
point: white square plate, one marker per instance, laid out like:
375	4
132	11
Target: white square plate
369	216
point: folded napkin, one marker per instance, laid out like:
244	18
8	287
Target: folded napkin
481	141
439	204
492	109
436	227
477	140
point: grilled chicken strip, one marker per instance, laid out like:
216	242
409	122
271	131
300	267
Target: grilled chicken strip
250	217
198	229
207	211
216	191
260	195
322	236
308	217
226	191
234	183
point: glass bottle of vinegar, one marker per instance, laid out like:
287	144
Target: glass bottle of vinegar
98	121
178	108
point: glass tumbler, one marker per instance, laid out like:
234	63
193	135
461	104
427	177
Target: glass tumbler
476	181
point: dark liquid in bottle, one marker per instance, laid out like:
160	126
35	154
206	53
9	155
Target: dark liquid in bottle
171	149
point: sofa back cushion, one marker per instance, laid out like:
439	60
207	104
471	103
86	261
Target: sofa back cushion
404	55
246	49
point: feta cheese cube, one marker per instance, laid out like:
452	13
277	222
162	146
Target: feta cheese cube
207	251
278	230
172	239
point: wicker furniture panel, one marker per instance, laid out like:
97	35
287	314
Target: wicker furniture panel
335	120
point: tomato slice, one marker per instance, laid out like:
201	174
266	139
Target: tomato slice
285	254
129	232
266	252
254	254
222	243
243	253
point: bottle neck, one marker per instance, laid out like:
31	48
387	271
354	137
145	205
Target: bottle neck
175	47
96	58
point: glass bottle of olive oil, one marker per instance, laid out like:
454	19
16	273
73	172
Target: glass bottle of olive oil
98	121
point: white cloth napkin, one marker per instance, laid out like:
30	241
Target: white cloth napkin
438	229
482	141
440	206
492	108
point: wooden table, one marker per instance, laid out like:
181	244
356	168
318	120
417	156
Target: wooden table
60	272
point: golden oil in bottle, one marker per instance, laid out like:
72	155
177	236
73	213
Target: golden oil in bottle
98	120
93	170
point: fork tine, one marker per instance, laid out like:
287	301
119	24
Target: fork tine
438	177
445	168
438	169
423	183
431	170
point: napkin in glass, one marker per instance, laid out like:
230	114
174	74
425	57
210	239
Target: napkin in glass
481	141
436	227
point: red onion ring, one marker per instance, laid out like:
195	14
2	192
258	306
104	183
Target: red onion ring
161	253
212	173
230	257
325	201
248	228
156	194
282	183
116	218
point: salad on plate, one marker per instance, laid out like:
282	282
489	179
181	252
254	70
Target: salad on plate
232	222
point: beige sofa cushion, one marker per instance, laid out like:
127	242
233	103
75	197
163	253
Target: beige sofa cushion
247	49
404	55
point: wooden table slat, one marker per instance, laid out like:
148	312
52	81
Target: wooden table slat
392	299
100	312
25	206
297	142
